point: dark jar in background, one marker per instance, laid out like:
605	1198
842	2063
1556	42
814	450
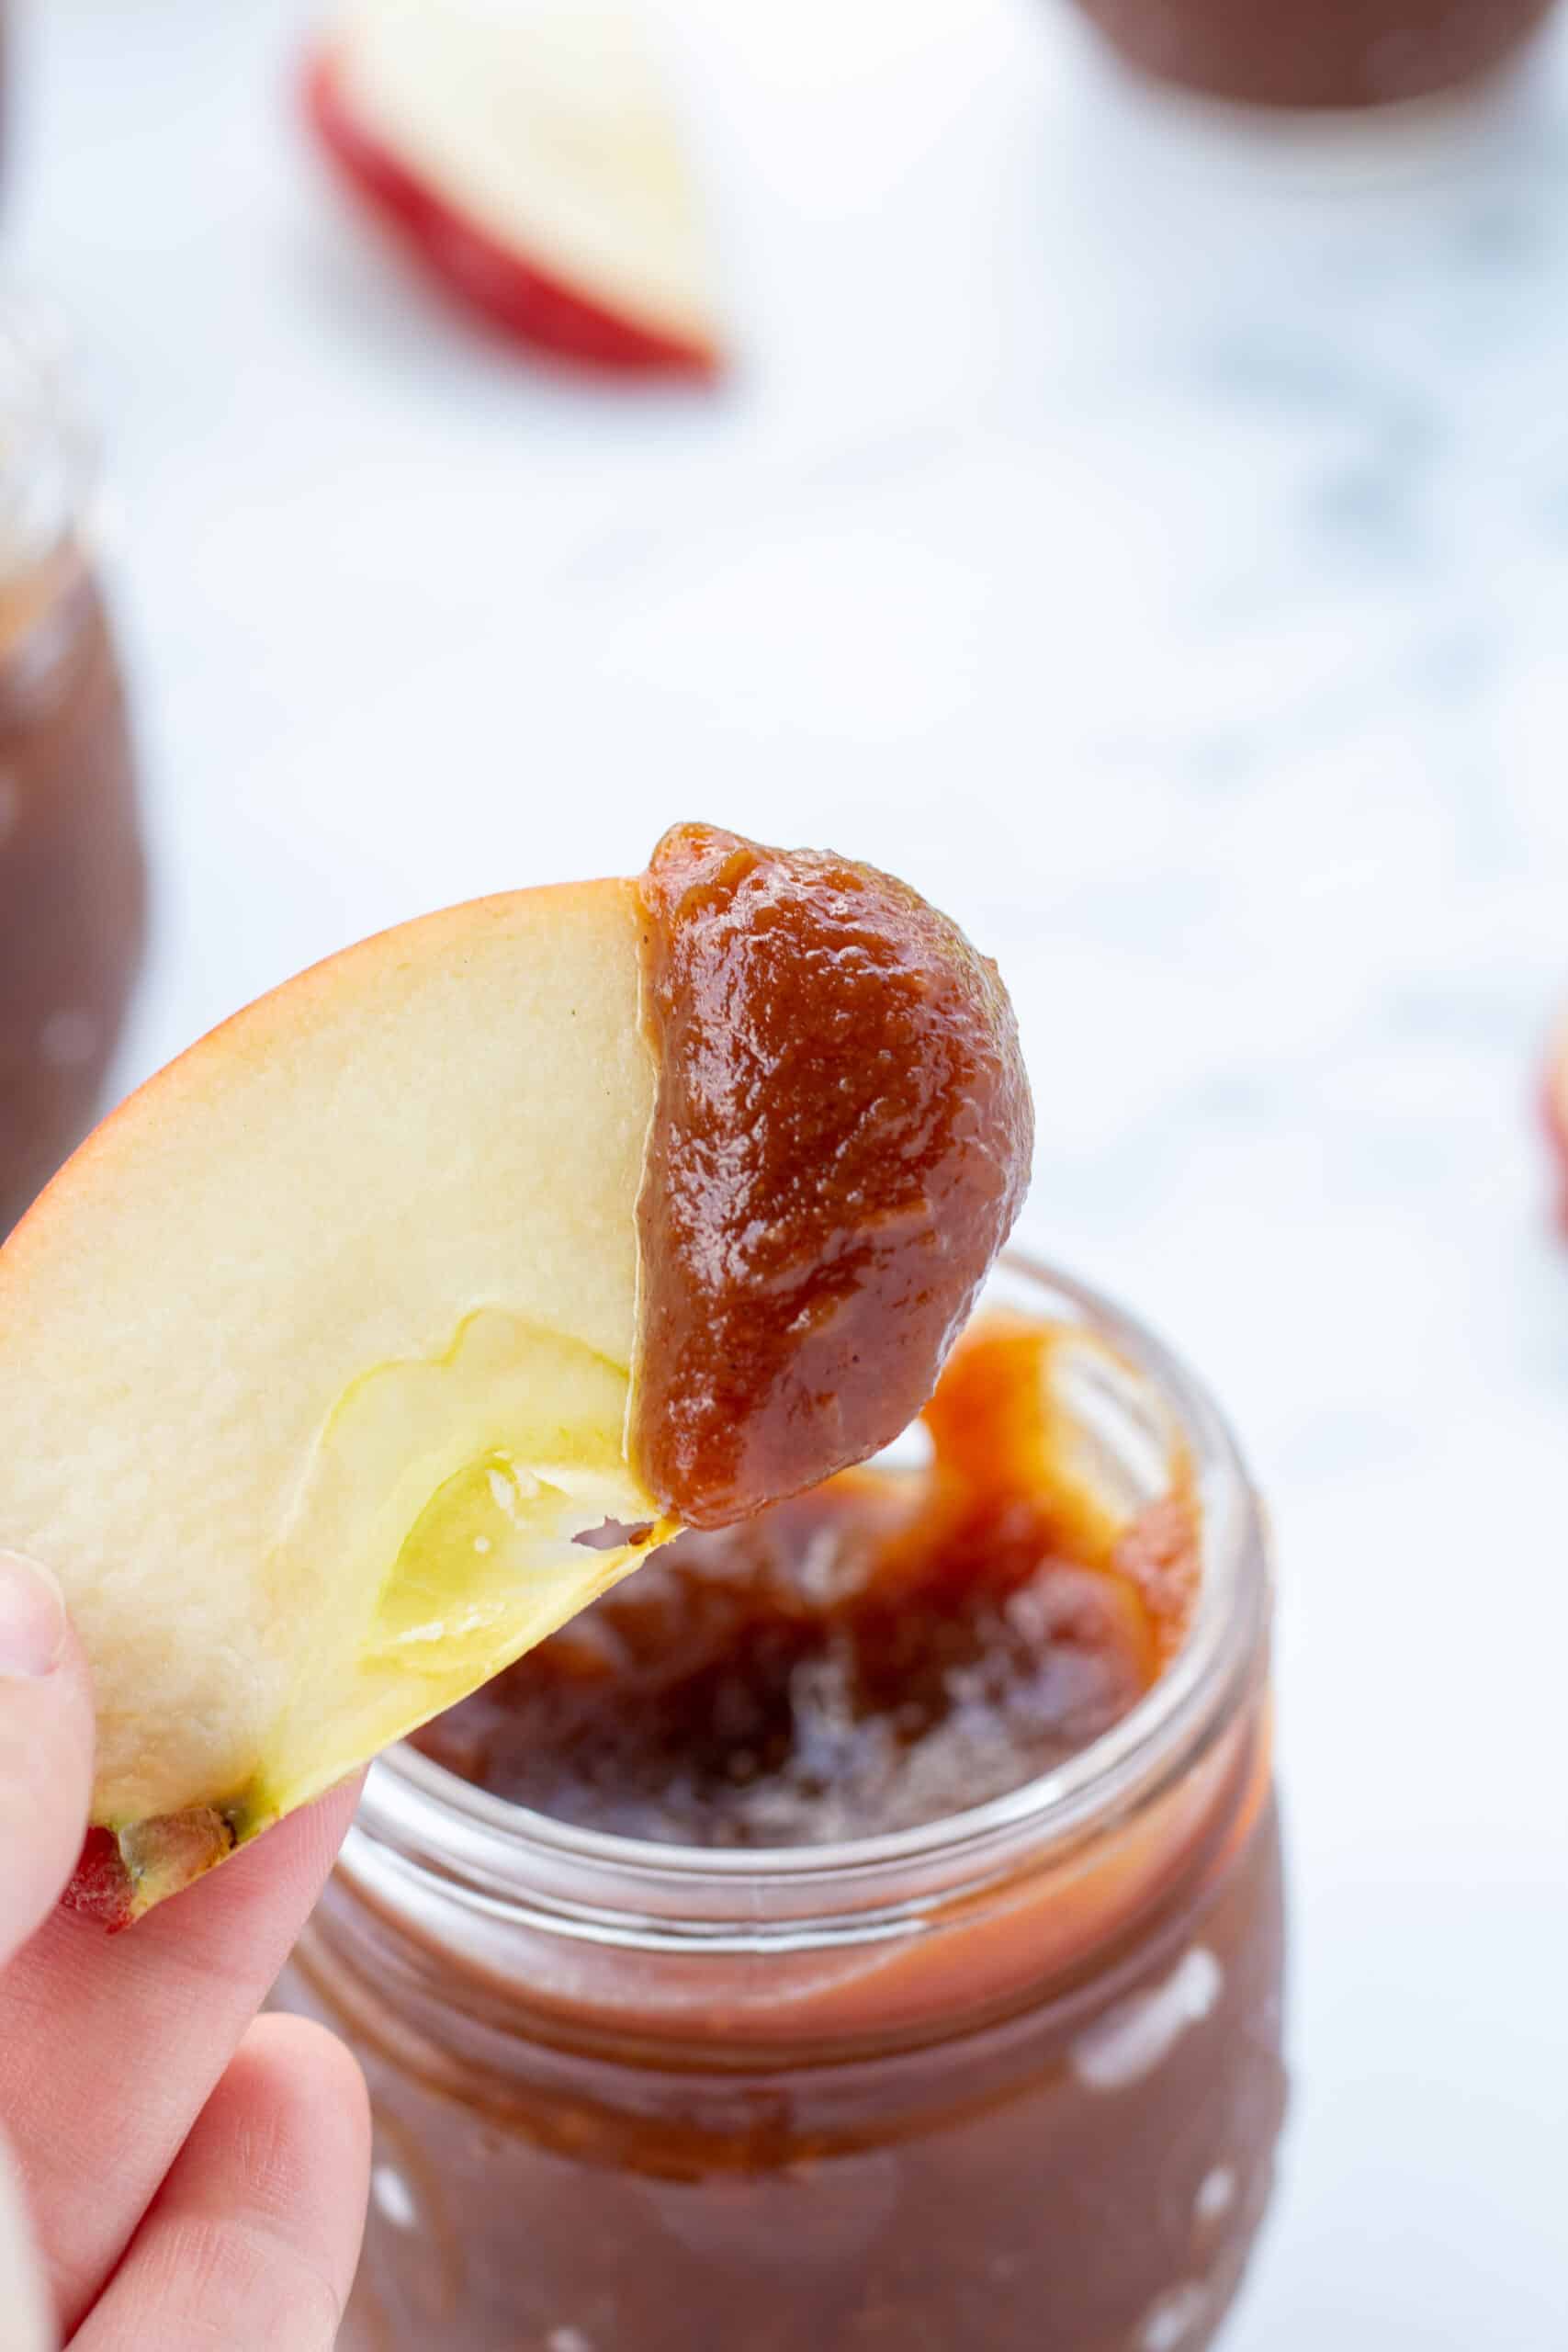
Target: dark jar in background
1317	52
1011	2080
72	891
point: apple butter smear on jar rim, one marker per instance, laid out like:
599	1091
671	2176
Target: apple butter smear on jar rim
881	1652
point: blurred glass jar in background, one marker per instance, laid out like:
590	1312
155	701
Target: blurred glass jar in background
72	891
1317	52
1012	2079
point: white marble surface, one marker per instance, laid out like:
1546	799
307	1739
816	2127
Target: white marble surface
1153	539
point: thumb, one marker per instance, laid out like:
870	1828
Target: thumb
46	1748
27	2323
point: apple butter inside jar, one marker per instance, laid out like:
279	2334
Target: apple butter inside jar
72	881
861	1929
891	1648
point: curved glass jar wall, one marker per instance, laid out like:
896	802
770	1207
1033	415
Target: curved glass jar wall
1012	2080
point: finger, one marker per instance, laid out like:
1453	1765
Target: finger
26	2321
250	2241
110	2045
46	1748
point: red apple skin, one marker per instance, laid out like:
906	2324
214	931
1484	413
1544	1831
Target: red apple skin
526	304
100	1884
1554	1113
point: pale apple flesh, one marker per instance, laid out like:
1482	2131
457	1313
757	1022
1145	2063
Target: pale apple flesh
315	1359
525	162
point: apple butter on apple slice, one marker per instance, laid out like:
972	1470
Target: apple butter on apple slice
841	1144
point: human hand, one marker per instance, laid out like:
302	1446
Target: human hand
191	2174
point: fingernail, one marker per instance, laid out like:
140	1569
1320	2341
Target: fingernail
32	1620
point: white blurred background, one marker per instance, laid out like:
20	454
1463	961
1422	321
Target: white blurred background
1151	538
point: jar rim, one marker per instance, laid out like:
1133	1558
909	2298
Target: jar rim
422	1818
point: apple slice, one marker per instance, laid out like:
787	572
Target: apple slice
522	154
403	1314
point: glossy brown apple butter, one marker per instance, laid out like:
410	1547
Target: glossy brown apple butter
808	2054
834	1057
1316	53
882	1652
72	882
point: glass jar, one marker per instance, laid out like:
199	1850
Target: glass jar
72	880
1317	52
1011	2080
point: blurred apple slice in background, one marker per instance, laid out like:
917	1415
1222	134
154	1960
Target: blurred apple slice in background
522	152
1554	1102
